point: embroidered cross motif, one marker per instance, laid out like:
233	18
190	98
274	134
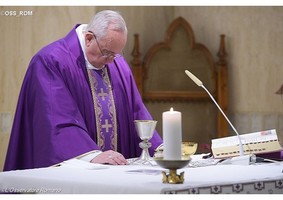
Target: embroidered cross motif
102	94
106	125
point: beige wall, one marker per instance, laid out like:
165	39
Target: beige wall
254	43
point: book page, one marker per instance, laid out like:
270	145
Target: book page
253	143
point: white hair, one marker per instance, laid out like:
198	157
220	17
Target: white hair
106	20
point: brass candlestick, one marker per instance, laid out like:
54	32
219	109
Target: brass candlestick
172	177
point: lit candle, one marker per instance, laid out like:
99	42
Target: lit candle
172	135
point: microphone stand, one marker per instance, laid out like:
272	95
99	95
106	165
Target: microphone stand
242	159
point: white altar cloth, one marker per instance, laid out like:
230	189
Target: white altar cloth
133	179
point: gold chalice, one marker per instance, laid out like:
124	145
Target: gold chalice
188	149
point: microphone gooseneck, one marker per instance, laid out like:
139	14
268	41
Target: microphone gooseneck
200	84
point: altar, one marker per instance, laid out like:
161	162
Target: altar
76	177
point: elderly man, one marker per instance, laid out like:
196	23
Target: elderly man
79	99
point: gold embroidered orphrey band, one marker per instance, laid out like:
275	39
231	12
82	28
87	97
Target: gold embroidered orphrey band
99	112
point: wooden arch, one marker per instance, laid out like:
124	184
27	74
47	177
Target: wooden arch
148	72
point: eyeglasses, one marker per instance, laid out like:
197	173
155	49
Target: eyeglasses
109	55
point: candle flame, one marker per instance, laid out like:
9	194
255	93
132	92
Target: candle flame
171	109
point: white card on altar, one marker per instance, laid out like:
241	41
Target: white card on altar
253	143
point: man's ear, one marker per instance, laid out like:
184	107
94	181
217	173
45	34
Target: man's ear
88	38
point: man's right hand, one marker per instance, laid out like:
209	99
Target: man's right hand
110	157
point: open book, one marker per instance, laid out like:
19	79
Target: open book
253	143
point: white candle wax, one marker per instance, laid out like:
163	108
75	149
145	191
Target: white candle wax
172	135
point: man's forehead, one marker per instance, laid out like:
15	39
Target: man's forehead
114	39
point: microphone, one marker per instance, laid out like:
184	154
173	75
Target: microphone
242	159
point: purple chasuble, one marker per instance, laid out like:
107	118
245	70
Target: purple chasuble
55	118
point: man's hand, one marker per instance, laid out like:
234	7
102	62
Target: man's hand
110	157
